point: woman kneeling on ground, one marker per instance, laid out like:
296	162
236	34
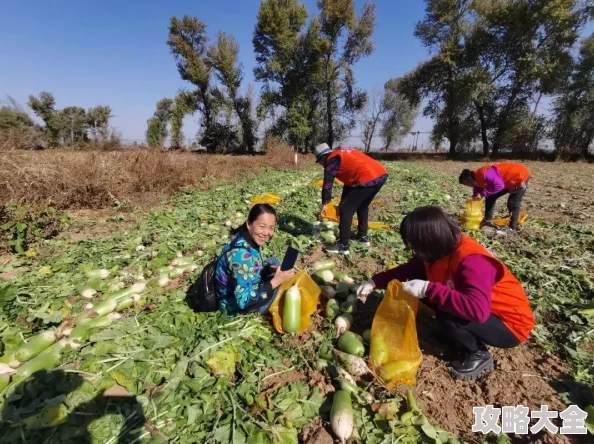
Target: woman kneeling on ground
244	283
477	300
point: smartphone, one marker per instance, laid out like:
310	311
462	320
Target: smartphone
290	259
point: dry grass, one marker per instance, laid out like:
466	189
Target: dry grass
68	179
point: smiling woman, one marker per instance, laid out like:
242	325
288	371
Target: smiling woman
245	283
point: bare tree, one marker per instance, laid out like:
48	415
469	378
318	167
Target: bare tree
372	115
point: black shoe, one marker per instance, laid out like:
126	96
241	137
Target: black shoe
472	365
337	249
363	240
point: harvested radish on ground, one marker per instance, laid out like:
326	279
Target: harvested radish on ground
342	290
323	276
328	291
332	309
323	265
341	415
343	277
349	343
98	274
355	365
343	323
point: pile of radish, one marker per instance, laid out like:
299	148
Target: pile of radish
345	364
43	350
347	361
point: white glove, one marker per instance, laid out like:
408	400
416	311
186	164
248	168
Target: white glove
416	288
365	290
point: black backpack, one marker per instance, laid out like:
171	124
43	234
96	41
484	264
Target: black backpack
201	295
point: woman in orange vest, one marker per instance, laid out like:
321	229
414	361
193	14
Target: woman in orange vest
363	177
495	180
477	300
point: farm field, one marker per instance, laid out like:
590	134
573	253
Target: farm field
162	373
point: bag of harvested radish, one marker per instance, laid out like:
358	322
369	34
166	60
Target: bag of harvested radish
394	351
296	300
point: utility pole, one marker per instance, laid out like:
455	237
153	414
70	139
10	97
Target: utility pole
415	135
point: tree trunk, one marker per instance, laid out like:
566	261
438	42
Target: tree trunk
370	138
484	138
586	146
502	120
330	135
453	144
537	103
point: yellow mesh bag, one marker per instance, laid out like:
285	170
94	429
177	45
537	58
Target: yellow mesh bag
473	214
376	226
332	211
332	214
320	183
394	351
267	198
310	297
504	221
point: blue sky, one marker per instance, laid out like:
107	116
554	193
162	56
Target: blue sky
114	52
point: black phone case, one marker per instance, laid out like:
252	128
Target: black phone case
290	259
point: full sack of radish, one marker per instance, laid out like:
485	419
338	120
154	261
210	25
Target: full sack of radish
297	300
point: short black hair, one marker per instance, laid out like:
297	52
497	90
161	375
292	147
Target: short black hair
466	176
429	233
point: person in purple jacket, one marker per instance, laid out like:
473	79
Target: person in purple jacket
477	301
495	180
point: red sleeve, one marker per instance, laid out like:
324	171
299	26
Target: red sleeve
470	298
413	269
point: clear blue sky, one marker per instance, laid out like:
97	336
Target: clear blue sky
114	52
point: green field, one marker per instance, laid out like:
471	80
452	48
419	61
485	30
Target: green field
187	377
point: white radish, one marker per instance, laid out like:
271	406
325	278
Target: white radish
101	274
343	323
138	287
341	415
88	293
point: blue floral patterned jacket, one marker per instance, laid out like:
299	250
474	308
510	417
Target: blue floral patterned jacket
238	278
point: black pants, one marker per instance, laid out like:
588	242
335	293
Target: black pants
514	203
355	200
471	336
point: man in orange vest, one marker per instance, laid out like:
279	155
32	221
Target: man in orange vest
363	177
495	180
476	299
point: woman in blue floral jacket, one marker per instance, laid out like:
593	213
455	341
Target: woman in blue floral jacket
244	282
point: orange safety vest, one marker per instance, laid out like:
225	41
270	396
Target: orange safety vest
513	174
356	167
508	300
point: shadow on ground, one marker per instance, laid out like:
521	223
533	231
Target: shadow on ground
59	407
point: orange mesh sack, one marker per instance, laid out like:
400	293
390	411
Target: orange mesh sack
394	352
332	211
504	221
310	297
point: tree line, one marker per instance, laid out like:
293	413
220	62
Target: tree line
70	126
305	64
493	68
492	64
